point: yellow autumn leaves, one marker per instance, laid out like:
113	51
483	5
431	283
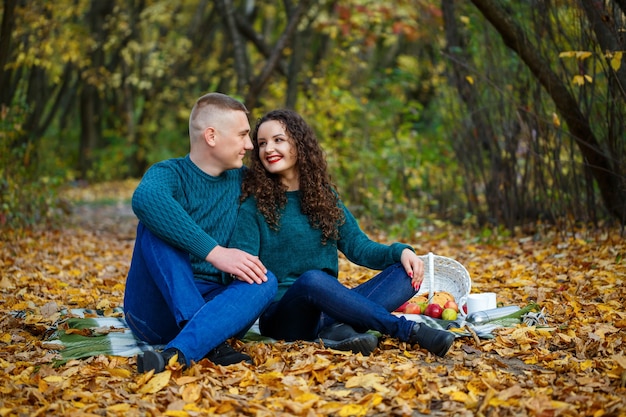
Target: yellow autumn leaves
613	57
576	365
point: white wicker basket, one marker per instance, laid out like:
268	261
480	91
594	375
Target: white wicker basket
446	274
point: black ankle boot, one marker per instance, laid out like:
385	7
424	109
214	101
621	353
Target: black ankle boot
340	336
153	360
437	342
225	355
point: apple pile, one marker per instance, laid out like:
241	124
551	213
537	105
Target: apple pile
441	305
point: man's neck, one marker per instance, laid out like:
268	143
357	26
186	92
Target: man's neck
206	166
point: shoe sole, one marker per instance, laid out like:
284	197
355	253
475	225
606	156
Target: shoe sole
227	355
363	343
150	361
232	360
139	360
430	339
443	352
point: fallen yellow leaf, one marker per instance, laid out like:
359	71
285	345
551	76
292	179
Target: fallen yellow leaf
191	392
352	410
53	379
156	383
367	381
119	408
120	372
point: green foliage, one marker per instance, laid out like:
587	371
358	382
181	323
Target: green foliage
26	199
388	161
111	162
404	142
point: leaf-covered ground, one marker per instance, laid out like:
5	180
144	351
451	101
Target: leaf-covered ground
576	366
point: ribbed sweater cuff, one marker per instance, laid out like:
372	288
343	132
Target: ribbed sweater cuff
201	246
397	250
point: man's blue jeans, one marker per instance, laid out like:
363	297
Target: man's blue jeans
165	304
317	299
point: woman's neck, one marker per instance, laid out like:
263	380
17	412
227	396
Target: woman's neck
292	182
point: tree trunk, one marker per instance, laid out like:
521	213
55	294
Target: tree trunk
477	141
6	32
261	80
90	100
605	29
227	10
90	135
611	185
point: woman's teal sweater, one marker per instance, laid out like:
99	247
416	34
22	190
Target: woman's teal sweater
297	247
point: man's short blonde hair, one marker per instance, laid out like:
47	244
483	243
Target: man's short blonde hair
209	109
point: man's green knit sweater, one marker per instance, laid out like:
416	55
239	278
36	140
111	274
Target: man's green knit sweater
297	247
189	209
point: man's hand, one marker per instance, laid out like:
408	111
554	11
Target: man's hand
241	265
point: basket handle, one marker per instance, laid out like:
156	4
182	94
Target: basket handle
431	273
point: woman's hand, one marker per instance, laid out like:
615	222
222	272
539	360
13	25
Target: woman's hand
414	267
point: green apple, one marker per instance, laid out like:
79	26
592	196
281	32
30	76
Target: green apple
423	306
449	314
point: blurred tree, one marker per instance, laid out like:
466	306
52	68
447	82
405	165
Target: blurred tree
420	106
589	96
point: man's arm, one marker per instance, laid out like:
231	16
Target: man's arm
156	206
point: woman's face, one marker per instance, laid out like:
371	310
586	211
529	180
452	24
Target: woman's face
277	152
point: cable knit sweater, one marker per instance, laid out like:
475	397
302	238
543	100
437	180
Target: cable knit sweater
189	209
297	247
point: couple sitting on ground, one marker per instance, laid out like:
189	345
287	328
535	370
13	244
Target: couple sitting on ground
220	245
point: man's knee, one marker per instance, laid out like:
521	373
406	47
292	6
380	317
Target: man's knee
271	285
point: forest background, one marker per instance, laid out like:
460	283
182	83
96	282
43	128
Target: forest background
499	114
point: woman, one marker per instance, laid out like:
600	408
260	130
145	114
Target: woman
292	218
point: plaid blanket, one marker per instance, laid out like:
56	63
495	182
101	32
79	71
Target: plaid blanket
82	333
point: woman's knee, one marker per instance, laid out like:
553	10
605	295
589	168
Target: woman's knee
315	278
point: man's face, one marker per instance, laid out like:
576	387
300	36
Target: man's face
232	139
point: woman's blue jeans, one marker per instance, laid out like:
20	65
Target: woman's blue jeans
317	300
165	304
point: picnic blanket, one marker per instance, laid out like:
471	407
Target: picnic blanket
82	333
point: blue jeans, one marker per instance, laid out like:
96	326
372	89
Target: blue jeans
165	304
317	300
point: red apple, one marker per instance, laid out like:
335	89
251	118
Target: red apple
413	308
465	308
451	304
434	310
402	307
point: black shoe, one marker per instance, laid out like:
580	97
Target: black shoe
153	360
340	336
225	355
435	341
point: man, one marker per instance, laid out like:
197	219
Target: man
177	291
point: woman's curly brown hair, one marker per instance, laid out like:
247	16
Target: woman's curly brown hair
319	196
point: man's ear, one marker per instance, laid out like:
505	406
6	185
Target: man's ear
209	136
